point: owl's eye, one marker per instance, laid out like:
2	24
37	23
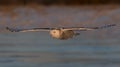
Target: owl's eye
54	32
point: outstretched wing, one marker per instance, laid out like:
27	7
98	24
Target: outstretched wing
63	28
88	28
27	30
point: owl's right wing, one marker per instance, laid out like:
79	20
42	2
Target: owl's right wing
27	30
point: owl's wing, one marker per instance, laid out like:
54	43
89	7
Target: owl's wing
63	28
27	30
88	28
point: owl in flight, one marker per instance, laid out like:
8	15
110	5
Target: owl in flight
61	33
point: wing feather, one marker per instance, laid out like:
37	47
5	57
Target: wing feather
27	30
89	28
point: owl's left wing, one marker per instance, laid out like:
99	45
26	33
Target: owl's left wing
88	28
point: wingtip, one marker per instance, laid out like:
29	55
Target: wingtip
7	28
110	25
106	26
113	25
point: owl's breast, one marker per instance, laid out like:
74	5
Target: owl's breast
62	34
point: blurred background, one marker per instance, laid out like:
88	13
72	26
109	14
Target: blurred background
98	48
59	2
